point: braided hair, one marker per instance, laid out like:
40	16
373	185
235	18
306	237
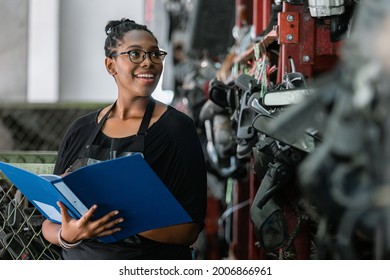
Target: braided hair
116	29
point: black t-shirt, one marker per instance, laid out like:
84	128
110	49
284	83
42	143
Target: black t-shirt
173	150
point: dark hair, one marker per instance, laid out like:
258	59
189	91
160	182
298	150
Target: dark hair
116	29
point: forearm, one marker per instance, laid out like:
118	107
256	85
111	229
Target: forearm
50	231
184	234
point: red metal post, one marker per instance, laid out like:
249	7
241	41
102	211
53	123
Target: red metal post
241	220
261	14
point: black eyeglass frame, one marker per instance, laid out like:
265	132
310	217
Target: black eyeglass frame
163	54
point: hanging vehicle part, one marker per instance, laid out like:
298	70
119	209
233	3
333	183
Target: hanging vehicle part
325	8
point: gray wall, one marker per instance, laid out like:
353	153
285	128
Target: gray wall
13	49
83	75
76	68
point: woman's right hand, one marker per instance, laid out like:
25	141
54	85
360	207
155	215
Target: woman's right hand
84	228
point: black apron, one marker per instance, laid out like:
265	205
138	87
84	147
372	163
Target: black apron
92	152
133	247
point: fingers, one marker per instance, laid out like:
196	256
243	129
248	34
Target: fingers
107	223
102	226
109	228
86	227
88	215
108	217
64	212
108	232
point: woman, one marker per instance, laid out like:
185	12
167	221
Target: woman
134	123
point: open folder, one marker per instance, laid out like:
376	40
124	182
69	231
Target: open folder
127	184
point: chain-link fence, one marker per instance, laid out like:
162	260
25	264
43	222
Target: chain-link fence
29	138
37	127
20	221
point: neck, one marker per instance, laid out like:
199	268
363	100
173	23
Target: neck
127	109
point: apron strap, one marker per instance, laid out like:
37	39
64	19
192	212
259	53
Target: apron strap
99	126
147	117
139	138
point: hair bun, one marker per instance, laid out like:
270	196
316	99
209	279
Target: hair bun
127	20
114	23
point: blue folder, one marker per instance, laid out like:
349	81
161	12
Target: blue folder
127	184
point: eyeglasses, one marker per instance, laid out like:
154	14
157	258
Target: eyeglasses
138	56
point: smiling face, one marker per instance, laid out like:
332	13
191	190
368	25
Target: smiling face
131	78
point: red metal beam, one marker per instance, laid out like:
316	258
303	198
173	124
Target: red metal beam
261	14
